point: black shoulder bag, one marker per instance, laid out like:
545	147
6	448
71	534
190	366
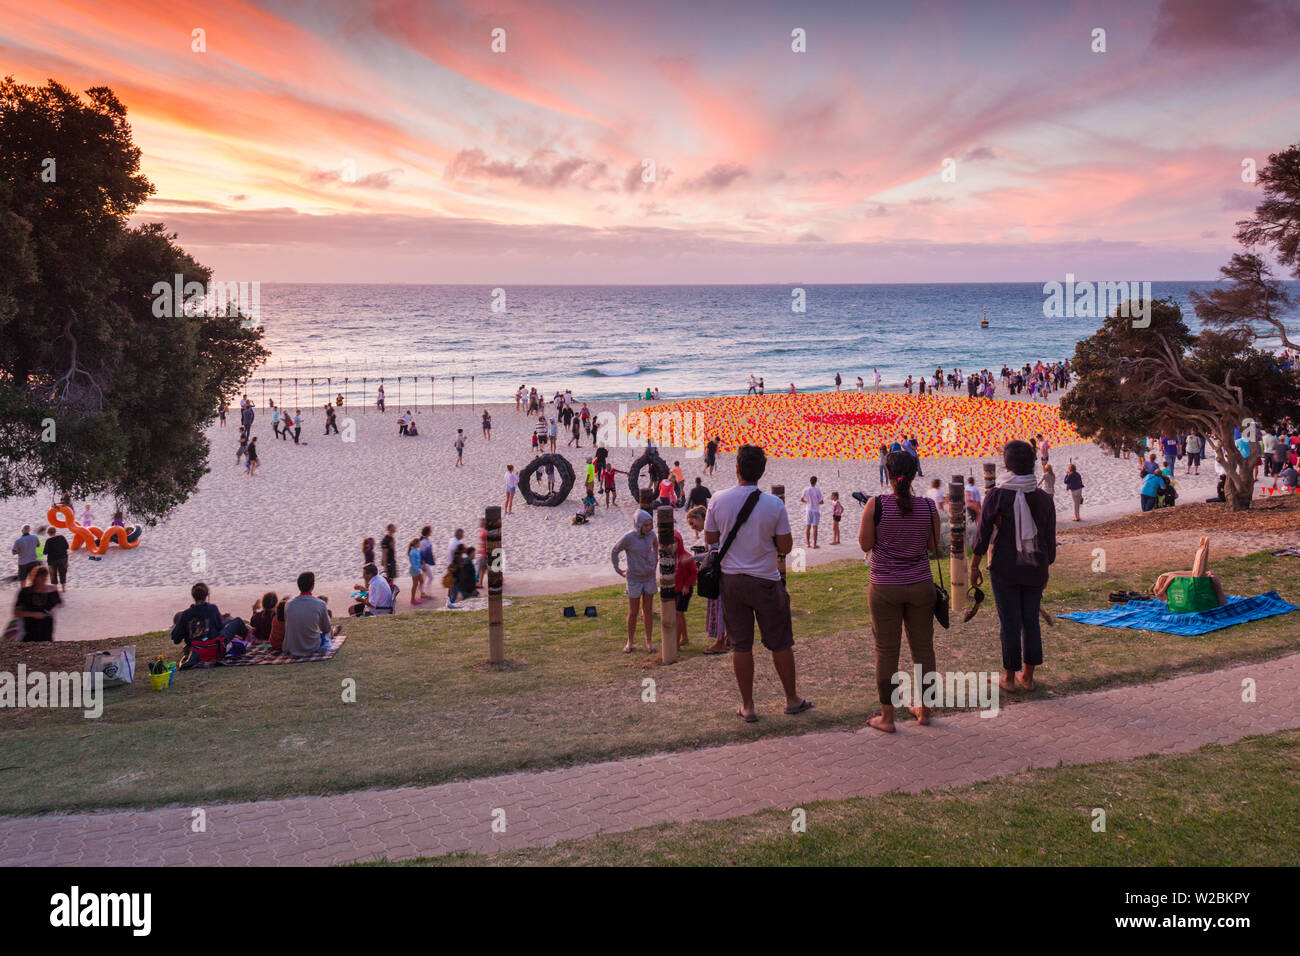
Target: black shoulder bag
708	584
940	592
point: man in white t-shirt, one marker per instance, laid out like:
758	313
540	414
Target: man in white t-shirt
379	596
456	541
752	589
812	499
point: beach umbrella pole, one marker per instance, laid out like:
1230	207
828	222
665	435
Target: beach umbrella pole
496	620
667	584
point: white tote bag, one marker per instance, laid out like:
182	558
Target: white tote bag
117	665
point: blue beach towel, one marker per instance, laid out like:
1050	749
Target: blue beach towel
1155	615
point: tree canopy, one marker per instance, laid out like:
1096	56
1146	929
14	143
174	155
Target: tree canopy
97	395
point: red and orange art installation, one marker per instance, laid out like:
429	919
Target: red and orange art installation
94	540
853	425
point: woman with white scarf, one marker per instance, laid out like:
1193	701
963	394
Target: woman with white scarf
1019	522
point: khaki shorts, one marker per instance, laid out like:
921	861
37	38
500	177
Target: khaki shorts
747	599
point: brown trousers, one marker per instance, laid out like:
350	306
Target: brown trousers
895	607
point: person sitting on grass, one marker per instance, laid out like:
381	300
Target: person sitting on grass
307	626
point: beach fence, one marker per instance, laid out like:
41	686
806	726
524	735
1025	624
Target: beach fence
413	385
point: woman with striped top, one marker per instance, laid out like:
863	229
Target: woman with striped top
901	590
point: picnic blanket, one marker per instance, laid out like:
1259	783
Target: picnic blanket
262	654
1156	616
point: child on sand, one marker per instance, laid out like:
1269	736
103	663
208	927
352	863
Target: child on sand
837	512
416	563
512	485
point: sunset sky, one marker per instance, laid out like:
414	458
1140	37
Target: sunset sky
770	165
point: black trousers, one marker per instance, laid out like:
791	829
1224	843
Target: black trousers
1021	633
59	572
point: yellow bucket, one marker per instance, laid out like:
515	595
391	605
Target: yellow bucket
160	681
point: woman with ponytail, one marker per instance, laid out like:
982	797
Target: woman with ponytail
899	530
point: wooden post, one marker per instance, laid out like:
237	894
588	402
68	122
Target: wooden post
779	491
667	584
648	496
957	544
496	622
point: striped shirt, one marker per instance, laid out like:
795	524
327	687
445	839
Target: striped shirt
900	556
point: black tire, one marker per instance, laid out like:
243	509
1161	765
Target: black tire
658	472
557	497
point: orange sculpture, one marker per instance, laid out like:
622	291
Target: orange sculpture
94	540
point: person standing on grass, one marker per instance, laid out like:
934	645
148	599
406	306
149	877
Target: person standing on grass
899	530
512	485
1074	485
56	557
683	585
713	626
1019	523
752	589
642	564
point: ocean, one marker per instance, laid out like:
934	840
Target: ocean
614	342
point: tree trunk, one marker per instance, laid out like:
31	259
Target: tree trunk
1239	489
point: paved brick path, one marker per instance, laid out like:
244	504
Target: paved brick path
544	808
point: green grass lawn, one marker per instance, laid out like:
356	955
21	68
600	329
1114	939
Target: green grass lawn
430	710
1237	805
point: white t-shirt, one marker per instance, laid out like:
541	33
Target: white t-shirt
812	497
973	493
380	595
512	481
936	495
753	552
452	545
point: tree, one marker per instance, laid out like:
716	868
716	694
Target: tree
1254	302
1276	222
1137	382
97	395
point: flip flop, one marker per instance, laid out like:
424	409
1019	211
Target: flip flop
800	707
751	719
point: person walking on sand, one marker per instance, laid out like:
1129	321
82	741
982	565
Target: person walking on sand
460	447
642	562
1195	448
899	530
611	485
56	558
1024	546
379	399
417	571
711	455
240	451
812	499
26	547
1074	485
754	530
875	377
552	432
297	425
512	485
388	548
253	460
838	380
487	424
426	561
275	420
331	419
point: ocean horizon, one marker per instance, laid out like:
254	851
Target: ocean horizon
612	342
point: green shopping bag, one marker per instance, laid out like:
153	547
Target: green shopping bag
1187	595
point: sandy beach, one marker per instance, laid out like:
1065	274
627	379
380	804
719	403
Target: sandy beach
309	507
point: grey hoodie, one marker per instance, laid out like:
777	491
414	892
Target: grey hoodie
642	551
